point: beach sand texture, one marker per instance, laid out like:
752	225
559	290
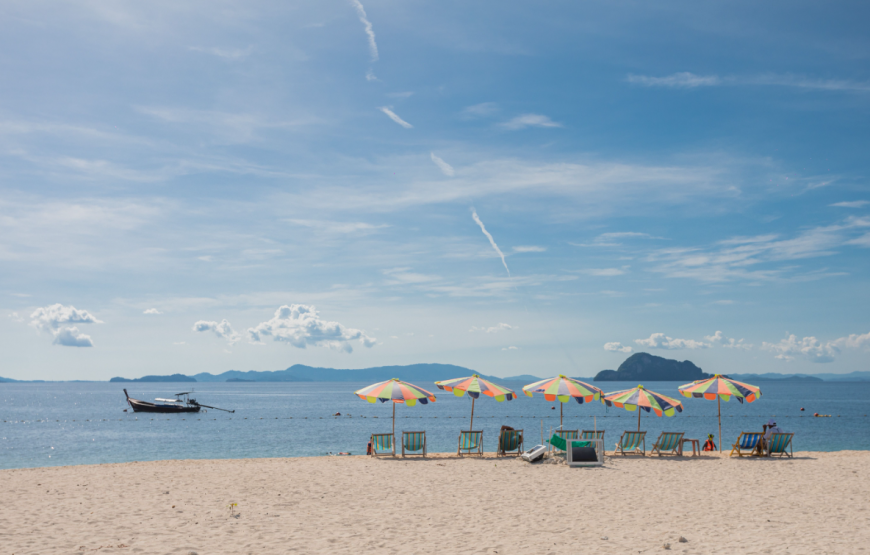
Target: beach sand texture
816	503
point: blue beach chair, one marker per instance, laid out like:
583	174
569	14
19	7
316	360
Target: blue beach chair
631	442
469	442
777	445
747	443
384	444
510	442
567	435
413	441
670	443
592	434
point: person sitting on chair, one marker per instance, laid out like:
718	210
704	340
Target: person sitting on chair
709	445
768	429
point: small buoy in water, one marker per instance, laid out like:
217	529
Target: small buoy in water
802	409
815	414
337	414
552	408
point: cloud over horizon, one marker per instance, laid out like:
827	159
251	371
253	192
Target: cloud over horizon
300	326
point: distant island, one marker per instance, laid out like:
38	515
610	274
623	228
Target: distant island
644	367
172	378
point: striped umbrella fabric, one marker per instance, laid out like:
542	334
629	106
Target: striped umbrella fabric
397	391
641	398
721	388
563	389
473	387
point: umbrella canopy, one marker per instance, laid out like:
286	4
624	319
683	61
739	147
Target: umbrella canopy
640	397
473	387
720	387
563	389
397	391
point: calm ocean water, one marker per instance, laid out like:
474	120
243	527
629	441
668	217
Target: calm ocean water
84	423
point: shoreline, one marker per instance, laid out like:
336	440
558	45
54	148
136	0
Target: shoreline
817	502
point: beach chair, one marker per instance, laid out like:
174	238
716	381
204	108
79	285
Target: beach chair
631	442
567	435
592	434
413	441
469	442
510	442
670	443
778	443
747	443
384	444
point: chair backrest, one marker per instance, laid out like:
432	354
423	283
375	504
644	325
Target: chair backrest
749	440
469	440
779	442
630	440
568	434
592	434
669	441
509	440
413	441
382	442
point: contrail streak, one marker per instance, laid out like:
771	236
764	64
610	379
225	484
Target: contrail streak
491	241
361	12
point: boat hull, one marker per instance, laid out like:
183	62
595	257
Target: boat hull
142	406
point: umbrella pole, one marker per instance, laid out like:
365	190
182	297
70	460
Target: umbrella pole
638	419
471	426
560	416
719	402
394	421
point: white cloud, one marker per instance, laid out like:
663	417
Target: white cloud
481	110
392	115
684	80
661	341
491	240
603	272
445	168
152	311
529	248
612	239
530	120
727	342
851	204
617	347
814	350
511	348
71	337
52	317
400	276
15	317
494	329
361	12
229	54
370	75
300	326
222	329
338	227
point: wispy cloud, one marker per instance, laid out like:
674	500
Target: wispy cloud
851	204
152	311
661	341
491	240
617	347
603	272
810	348
493	329
373	46
481	110
528	248
337	227
529	120
445	168
404	94
222	329
511	348
688	80
229	54
719	338
392	115
613	239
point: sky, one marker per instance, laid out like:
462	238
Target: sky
517	188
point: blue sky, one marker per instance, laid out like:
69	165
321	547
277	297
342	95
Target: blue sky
205	186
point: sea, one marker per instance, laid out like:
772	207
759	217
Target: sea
56	424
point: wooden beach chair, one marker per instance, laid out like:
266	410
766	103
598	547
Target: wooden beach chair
470	442
669	443
631	442
567	435
592	434
510	442
384	444
413	441
777	445
747	443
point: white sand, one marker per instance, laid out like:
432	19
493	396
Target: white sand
816	503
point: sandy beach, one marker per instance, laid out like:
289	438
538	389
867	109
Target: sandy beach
816	503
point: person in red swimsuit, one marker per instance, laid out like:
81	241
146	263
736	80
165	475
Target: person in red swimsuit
709	445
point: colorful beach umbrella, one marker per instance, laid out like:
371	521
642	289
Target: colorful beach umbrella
563	389
473	387
721	387
641	398
397	391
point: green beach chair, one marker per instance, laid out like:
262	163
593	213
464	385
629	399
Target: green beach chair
567	435
747	443
384	444
469	442
510	442
670	443
413	441
777	445
631	442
